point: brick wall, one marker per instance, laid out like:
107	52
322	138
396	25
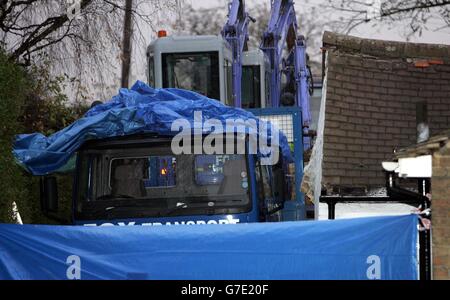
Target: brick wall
440	187
372	91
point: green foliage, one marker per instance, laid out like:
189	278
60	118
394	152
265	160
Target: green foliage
13	88
47	109
31	101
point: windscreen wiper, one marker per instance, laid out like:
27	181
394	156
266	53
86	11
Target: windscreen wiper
113	196
179	206
135	208
159	213
186	205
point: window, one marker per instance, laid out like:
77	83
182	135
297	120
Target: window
267	182
161	171
229	78
150	172
197	72
131	176
264	181
208	170
145	180
267	89
268	204
279	183
228	173
87	166
151	70
251	87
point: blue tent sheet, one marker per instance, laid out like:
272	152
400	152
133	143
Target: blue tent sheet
137	110
364	248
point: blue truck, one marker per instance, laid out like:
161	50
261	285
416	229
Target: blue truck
138	179
135	178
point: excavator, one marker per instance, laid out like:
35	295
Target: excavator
223	68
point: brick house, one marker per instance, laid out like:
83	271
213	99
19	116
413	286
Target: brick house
376	94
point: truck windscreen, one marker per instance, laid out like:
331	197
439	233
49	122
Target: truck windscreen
150	182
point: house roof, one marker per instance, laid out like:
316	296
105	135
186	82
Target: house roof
434	143
387	49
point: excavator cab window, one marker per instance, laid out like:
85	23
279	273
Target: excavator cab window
151	70
229	83
198	72
251	86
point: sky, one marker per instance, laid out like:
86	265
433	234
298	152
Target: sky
377	32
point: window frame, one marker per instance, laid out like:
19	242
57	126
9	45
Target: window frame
96	210
213	87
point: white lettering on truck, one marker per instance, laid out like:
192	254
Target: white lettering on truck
199	222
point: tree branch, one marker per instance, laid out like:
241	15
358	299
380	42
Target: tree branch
49	26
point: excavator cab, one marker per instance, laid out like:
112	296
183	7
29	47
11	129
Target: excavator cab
203	64
197	63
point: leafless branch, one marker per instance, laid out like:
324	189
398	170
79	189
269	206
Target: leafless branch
416	14
87	48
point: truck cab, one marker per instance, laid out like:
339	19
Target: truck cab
204	64
137	180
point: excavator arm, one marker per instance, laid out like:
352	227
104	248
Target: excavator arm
281	34
235	32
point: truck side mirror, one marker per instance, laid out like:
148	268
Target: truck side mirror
49	194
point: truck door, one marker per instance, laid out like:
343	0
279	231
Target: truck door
270	200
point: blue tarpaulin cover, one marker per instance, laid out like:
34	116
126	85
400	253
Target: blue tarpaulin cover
137	110
363	248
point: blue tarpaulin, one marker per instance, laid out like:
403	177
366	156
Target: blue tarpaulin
364	248
140	109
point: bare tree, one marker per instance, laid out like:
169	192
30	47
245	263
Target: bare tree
81	39
201	21
127	36
418	14
33	34
211	21
261	13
